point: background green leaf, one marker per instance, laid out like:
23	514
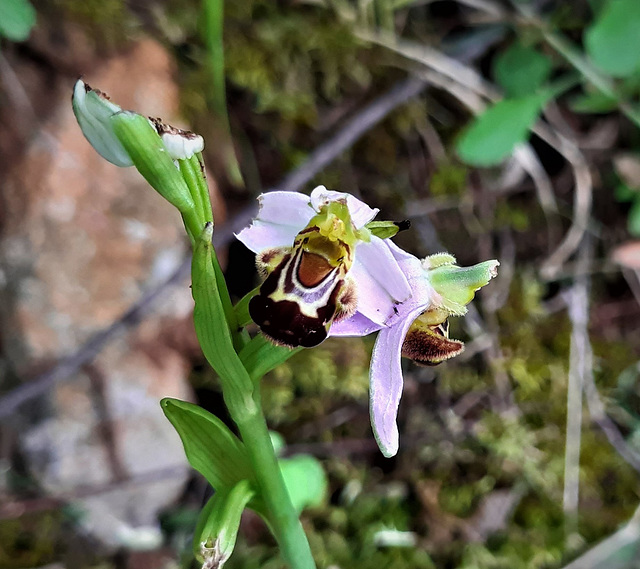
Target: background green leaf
593	103
613	41
521	70
211	448
634	218
17	18
305	479
492	136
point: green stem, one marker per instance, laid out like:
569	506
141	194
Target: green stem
283	518
214	27
191	178
192	224
243	400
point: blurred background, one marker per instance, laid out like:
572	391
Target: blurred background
506	130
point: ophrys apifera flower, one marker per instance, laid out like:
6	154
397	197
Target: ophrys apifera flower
327	273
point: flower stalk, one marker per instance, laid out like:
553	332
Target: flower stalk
170	160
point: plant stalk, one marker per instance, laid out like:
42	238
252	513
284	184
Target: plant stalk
283	518
242	396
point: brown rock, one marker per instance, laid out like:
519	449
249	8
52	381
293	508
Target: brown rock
82	240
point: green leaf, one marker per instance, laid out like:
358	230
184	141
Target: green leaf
595	103
242	308
597	6
306	481
613	41
633	223
211	448
17	18
493	135
624	193
212	328
260	356
521	70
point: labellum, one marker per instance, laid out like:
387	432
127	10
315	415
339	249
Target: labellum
427	342
306	287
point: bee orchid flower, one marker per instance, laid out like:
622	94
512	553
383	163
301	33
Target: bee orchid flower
321	263
405	299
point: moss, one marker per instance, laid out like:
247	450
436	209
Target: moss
30	541
108	22
448	180
313	382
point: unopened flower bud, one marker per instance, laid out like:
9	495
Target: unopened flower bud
180	144
93	109
217	530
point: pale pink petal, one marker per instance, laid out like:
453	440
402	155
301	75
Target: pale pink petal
356	325
384	293
386	383
422	293
378	259
361	213
282	215
260	236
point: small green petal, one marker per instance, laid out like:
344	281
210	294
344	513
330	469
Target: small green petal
457	285
334	223
387	229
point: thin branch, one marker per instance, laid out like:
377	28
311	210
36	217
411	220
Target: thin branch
600	555
354	129
317	160
597	410
580	366
582	198
17	508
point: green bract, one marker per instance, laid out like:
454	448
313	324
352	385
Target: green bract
217	529
212	449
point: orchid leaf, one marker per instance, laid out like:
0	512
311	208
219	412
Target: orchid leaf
211	448
260	356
